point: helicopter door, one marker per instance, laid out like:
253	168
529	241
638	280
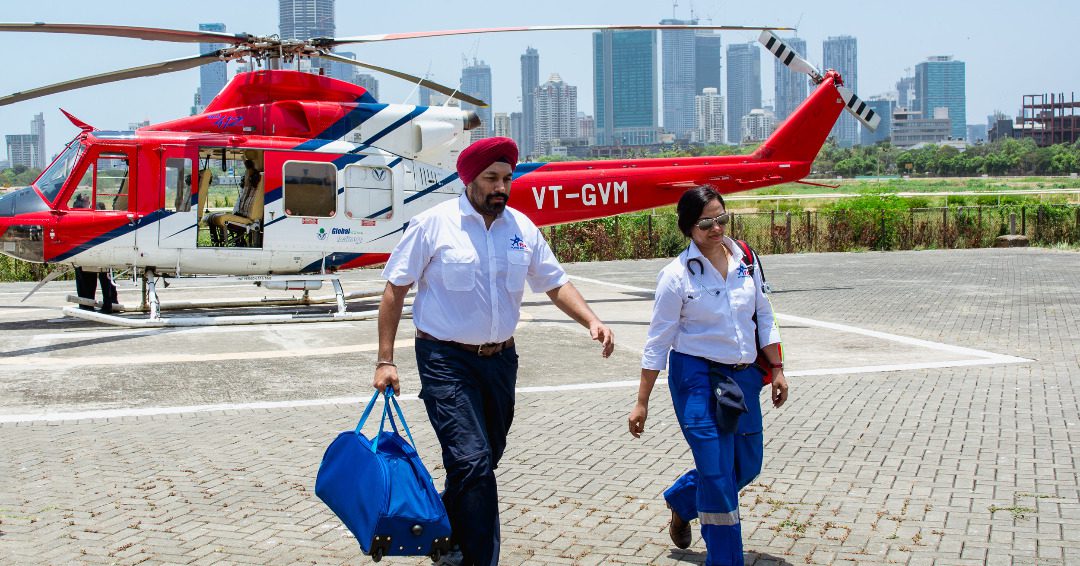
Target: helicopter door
100	207
178	225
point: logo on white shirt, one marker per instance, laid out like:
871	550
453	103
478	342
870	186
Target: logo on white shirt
516	243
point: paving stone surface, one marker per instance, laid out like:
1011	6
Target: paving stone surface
956	465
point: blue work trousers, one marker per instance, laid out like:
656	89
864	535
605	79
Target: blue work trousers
725	462
470	403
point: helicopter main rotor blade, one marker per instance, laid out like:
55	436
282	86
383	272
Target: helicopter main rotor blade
150	34
452	93
334	41
113	76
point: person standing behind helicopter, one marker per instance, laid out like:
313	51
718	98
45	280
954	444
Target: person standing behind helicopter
704	321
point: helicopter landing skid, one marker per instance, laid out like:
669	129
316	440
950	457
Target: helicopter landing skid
153	306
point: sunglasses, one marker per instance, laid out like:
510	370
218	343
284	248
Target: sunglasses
708	223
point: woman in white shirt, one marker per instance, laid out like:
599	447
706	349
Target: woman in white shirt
704	322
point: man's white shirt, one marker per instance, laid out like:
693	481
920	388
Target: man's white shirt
703	314
471	279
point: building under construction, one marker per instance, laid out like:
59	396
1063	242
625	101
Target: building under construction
1049	119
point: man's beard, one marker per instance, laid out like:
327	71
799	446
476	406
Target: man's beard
493	205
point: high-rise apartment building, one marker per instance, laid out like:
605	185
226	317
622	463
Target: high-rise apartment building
212	77
790	86
22	149
476	81
556	113
37	128
709	123
758	125
305	19
369	82
680	67
842	54
517	131
530	80
587	127
708	59
743	85
344	71
500	124
940	83
625	87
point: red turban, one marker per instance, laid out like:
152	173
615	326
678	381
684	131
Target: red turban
480	155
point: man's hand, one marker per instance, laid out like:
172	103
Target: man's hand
602	334
637	419
386	376
779	388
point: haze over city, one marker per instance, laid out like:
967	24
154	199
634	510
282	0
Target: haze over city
1003	60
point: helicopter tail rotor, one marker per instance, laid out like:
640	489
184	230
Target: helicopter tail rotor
795	62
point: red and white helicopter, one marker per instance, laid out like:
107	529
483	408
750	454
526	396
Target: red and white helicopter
339	174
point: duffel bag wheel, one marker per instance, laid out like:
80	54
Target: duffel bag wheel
436	555
376	554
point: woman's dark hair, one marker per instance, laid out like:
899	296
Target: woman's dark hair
692	202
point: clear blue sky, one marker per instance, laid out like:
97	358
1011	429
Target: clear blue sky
1007	53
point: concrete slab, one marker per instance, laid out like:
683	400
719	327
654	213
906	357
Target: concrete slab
918	430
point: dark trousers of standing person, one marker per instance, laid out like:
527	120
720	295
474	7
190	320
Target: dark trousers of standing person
86	283
470	403
725	462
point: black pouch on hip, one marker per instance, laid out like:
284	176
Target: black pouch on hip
729	399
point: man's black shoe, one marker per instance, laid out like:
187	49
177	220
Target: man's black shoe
679	530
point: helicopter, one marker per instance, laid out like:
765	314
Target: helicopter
331	175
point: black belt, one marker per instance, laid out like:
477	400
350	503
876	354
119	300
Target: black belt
736	367
482	350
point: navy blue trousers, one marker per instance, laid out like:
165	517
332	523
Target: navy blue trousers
470	403
725	462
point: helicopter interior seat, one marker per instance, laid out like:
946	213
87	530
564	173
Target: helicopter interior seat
247	230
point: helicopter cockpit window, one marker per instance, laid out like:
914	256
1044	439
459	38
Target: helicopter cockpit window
309	189
111	186
177	184
368	193
53	179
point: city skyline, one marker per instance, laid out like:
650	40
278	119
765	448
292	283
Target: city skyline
891	43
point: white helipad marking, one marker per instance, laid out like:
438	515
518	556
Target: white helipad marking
190	358
980	357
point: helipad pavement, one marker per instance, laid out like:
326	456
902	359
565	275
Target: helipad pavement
932	420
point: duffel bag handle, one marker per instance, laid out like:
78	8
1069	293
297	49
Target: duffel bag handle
389	398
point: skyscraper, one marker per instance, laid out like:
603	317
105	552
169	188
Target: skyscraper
743	85
905	92
212	77
517	130
940	83
709	125
758	125
842	54
679	51
304	19
883	107
556	113
37	128
790	86
624	87
476	81
501	125
344	71
708	58
530	79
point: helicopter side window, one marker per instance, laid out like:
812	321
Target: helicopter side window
368	193
309	189
177	184
110	188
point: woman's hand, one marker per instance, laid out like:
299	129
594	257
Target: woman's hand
779	388
637	419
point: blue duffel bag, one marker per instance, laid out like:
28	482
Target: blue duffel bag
380	489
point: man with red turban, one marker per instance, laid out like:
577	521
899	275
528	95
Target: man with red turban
470	258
